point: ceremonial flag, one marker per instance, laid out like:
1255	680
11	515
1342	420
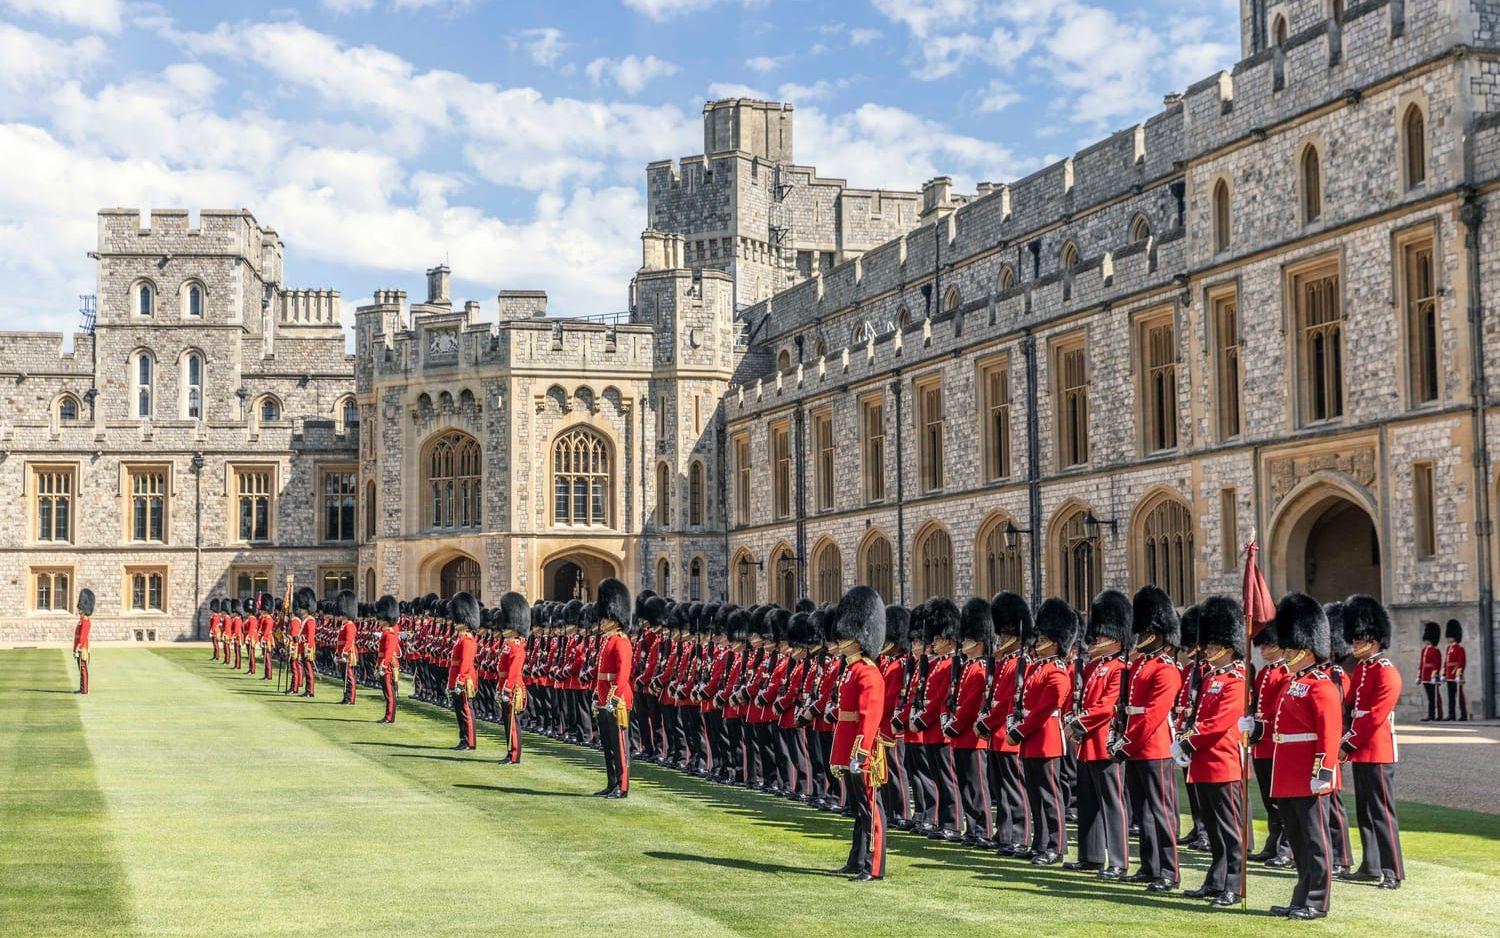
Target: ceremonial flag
1260	611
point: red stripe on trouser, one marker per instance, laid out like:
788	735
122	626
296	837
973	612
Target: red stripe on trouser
624	753
515	735
349	682
1390	823
1328	853
83	677
877	830
1169	786
1122	821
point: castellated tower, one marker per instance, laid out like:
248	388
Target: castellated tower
691	312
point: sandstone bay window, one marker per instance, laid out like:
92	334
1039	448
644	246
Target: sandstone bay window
742	478
877	567
822	431
1319	318
452	482
872	446
1165	542
929	414
52	489
1071	395
1419	302
934	550
338	496
146	589
1157	345
1224	310
580	480
781	471
52	589
148	504
254	498
1423	508
994	383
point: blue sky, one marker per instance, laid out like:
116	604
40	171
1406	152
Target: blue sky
510	136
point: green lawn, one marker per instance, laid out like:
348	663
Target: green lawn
179	798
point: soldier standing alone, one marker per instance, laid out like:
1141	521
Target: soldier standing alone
81	638
612	687
858	755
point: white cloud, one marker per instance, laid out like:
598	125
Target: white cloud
728	89
97	15
997	96
764	63
924	17
545	44
34	60
862	36
820	90
666	9
349	6
632	73
364	6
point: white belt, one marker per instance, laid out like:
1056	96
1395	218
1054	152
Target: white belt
1295	738
1135	711
1360	713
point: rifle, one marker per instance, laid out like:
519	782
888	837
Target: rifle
838	685
807	705
908	674
956	673
1117	741
736	694
1195	694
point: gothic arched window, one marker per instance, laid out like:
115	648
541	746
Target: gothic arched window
452	481
580	479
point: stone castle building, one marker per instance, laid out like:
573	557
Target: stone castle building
1259	312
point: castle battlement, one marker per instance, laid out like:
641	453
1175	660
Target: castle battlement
310	308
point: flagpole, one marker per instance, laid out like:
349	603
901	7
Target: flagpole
1245	747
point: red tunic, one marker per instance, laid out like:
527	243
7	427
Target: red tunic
861	703
81	634
1431	670
390	648
613	677
734	708
1214	739
893	676
1271	683
1002	702
833	671
1154	683
1309	724
1455	659
970	700
461	662
939	680
347	644
1101	695
1377	689
791	696
512	661
1039	733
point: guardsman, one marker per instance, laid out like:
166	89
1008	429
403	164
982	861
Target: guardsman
294	648
1343	680
81	637
252	631
1103	829
515	625
346	607
858	756
215	624
308	600
791	748
463	681
613	692
1455	659
732	693
710	699
1430	671
1210	749
1149	779
1037	729
1309	730
388	657
1190	663
1369	745
966	697
267	635
1013	628
825	716
1270	683
941	626
236	632
896	671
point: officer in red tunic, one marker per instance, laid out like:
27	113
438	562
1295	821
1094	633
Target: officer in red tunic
1103	847
1430	671
515	625
215	625
388	654
235	634
613	691
858	756
1209	747
346	607
1037	729
1154	683
267	635
81	637
1309	731
966	697
896	670
1013	633
463	681
1369	745
1455	659
941	625
308	652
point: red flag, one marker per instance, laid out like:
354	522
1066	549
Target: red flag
1260	610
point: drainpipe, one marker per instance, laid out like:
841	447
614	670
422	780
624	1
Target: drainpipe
1471	215
900	492
1033	465
801	538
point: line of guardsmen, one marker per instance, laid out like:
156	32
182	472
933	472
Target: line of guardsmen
984	725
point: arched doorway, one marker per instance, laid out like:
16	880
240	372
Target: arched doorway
575	575
1327	546
459	575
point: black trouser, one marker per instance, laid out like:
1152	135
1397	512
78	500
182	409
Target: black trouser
1008	790
1193	809
512	730
893	792
672	732
1276	842
1338	830
791	757
765	735
750	738
692	729
867	851
613	740
641	740
923	785
1044	797
1103	832
1153	805
940	767
1067	780
734	747
1306	823
463	710
1458	703
832	789
718	751
1434	702
972	769
1375	811
1220	804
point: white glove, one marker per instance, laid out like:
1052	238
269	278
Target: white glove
1247	724
1319	786
856	765
1182	759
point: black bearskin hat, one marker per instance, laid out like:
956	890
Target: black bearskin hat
800	630
572	612
1338	643
1301	624
1366	620
943	619
514	614
1110	616
1012	615
213	605
613	601
1152	612
977	623
737	626
464	610
898	627
653	611
777	621
1221	621
346	605
1057	620
1189	631
1432	632
861	617
1454	630
387	609
86	601
805	605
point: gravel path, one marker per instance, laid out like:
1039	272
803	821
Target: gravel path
1456	765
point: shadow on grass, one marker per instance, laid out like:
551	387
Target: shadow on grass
434	758
46	690
522	791
734	863
366	742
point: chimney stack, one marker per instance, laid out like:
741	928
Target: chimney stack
437	286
